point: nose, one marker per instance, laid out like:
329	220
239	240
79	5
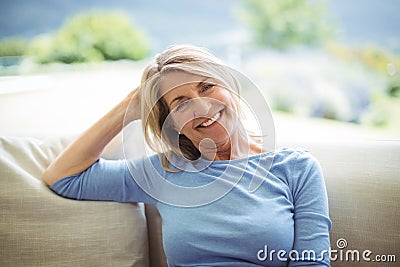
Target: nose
201	106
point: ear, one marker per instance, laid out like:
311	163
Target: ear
173	127
176	129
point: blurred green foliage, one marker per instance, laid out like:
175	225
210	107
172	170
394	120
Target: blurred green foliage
374	58
12	47
93	36
286	23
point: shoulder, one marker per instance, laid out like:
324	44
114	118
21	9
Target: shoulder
151	160
293	158
295	166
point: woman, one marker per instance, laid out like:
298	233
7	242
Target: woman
189	105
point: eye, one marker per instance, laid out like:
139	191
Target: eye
181	105
206	87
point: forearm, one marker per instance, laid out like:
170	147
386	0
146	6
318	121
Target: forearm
86	150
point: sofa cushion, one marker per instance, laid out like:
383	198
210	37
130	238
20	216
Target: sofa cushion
363	184
39	228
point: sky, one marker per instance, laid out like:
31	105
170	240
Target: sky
208	23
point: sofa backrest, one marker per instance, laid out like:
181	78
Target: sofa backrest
363	184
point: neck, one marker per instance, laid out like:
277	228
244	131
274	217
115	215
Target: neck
239	145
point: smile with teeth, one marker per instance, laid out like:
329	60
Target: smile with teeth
212	120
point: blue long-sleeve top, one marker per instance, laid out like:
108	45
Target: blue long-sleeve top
284	222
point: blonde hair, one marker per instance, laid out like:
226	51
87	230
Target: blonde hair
154	111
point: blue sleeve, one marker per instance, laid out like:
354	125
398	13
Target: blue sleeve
105	180
311	215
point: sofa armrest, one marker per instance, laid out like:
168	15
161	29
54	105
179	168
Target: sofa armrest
39	228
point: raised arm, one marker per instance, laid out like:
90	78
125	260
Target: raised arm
86	150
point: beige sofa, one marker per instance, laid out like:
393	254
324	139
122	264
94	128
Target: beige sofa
39	228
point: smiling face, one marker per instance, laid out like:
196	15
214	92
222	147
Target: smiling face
200	108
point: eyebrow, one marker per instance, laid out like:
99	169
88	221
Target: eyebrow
199	85
178	98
